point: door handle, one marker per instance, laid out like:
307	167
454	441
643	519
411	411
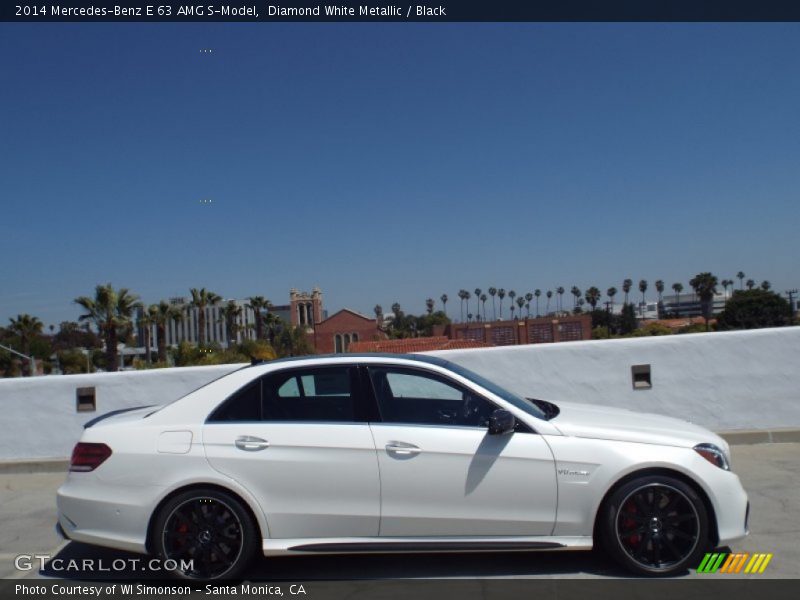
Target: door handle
250	443
402	449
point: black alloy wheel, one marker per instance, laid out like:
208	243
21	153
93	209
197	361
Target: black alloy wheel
656	526
205	535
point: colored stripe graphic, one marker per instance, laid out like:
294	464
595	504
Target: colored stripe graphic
711	562
723	562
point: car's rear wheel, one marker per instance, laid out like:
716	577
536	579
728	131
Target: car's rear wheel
205	534
655	525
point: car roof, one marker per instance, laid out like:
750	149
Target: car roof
433	360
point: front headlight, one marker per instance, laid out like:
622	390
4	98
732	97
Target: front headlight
714	455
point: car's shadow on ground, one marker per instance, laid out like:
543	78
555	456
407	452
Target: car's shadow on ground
92	563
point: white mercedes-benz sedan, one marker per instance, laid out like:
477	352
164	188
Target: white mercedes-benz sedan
394	453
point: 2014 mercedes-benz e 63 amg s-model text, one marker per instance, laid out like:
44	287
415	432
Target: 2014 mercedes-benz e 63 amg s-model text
381	453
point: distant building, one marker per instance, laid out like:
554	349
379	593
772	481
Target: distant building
186	328
689	305
681	322
420	344
565	328
336	333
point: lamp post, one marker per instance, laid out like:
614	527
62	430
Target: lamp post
31	360
791	294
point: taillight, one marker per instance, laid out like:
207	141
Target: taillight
88	456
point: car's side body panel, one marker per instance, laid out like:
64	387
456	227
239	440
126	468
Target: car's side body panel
463	481
313	480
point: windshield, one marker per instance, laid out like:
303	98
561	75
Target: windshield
521	403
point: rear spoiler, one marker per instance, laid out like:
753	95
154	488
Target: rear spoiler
112	413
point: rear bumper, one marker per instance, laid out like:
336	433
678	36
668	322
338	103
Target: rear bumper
60	531
94	513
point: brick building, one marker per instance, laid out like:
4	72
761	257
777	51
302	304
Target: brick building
420	344
524	331
337	332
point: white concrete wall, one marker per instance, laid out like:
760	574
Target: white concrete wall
38	417
723	381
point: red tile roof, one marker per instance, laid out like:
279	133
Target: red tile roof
422	344
679	323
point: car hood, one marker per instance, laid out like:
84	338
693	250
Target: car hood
607	423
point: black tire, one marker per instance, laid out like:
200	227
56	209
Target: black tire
655	525
209	528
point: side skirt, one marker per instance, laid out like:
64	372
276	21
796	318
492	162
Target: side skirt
272	547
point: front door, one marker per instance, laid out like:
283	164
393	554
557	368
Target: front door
442	474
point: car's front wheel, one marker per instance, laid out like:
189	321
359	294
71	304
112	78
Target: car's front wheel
655	525
205	534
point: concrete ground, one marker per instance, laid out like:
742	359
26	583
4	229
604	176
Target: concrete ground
770	474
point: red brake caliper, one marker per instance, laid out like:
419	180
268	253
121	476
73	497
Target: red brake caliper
629	523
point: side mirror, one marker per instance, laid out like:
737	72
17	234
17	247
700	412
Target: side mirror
501	422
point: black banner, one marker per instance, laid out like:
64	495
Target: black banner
463	589
393	11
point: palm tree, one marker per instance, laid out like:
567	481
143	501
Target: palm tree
528	298
111	311
560	292
626	288
444	299
274	325
643	289
766	285
520	304
537	293
484	298
660	289
462	295
27	328
228	315
611	292
478	292
576	293
593	297
201	299
467	296
161	314
429	304
677	288
512	294
751	283
549	295
146	323
259	303
705	286
493	293
740	276
501	293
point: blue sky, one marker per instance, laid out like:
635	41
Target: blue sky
392	162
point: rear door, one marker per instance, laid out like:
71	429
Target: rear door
298	440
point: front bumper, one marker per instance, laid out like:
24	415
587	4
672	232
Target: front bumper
732	508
